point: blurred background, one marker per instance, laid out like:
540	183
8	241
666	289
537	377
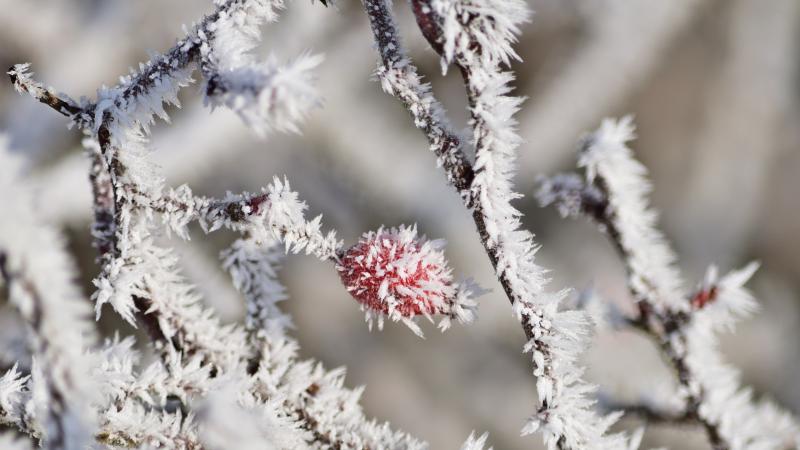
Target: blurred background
713	86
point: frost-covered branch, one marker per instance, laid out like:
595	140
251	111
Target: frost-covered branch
399	78
227	34
651	262
147	406
142	282
254	266
35	270
614	194
140	95
477	37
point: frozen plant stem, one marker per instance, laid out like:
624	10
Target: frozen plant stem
477	37
613	193
593	201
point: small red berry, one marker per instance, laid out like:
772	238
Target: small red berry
395	273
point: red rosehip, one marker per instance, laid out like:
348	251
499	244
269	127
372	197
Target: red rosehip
392	272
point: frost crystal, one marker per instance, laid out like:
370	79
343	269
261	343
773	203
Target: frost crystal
290	403
492	25
265	95
473	443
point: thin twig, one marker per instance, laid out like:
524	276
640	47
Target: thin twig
22	82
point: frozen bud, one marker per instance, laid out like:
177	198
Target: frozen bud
395	273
